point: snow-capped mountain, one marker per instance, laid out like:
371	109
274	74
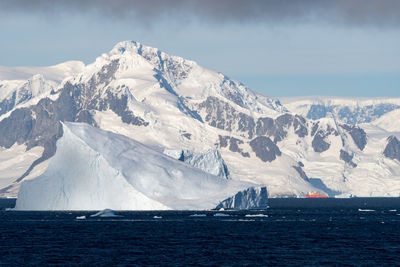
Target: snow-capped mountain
347	110
24	86
14	93
173	104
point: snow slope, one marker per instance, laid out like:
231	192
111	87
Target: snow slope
94	169
55	73
389	121
15	161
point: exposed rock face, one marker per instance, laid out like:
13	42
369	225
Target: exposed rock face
319	142
119	106
210	161
90	95
251	198
300	126
316	112
392	149
8	103
346	157
264	126
234	144
265	149
223	116
278	128
301	172
359	136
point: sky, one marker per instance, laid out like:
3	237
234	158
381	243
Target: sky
276	47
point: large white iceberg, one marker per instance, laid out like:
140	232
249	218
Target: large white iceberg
95	169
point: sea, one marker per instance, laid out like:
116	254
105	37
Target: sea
291	232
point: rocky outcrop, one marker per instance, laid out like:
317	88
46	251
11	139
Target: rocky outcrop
392	149
319	142
8	103
265	149
346	157
251	198
233	144
357	134
301	172
223	116
278	128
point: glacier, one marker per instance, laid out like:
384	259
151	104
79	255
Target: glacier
95	170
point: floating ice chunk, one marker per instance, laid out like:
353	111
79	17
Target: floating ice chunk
105	213
221	215
81	218
365	210
157	217
256	215
251	198
198	215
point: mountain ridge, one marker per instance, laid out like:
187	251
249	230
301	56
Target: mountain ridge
167	102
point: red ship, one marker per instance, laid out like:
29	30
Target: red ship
315	195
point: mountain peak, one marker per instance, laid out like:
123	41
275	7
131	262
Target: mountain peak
151	54
127	46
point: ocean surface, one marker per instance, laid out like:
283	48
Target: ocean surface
291	232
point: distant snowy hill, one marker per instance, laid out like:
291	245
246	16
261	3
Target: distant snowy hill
347	110
389	121
55	73
208	121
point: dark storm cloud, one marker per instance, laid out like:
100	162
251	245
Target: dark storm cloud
353	12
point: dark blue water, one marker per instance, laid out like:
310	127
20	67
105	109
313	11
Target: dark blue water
288	236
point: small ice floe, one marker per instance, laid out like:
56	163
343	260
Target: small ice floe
221	209
221	215
256	215
198	215
365	210
157	217
105	214
81	217
393	210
